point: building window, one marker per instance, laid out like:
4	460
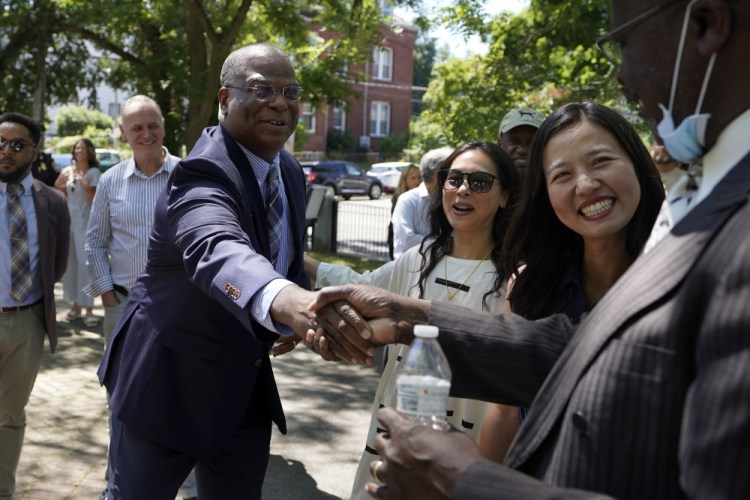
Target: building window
380	119
113	109
339	118
342	71
382	63
386	9
308	117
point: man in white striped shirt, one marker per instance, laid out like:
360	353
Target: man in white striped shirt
123	212
123	209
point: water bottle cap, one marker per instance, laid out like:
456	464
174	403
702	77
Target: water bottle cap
426	331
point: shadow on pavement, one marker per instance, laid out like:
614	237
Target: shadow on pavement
288	480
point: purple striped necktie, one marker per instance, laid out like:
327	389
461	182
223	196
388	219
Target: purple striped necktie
274	211
20	261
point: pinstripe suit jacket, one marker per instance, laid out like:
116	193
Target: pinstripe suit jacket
650	396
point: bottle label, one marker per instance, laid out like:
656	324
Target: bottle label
422	395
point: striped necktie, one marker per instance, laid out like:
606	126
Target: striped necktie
274	211
20	262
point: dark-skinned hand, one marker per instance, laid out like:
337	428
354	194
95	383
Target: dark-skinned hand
379	316
417	461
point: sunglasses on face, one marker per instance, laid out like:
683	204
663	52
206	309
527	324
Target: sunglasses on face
267	92
16	145
478	182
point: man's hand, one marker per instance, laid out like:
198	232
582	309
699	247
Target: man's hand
416	461
292	308
379	316
109	299
284	344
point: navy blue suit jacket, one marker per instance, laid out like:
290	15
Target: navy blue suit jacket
187	355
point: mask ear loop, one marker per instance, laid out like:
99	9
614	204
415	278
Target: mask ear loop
678	61
709	69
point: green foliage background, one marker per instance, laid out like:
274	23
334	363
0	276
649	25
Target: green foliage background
172	50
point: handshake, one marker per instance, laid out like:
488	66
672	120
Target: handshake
345	323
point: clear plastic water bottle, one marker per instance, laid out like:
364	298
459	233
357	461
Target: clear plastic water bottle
423	382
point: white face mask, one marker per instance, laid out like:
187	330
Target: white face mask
686	143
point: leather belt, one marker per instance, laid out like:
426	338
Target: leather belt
7	310
120	289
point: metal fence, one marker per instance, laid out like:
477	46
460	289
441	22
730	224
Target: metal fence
361	229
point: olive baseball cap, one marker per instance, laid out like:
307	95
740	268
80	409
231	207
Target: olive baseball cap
521	116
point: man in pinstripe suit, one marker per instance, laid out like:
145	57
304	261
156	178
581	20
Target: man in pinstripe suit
649	397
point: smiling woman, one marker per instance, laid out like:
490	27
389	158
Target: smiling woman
591	195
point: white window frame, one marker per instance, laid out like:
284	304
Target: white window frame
386	9
309	117
340	112
382	63
380	118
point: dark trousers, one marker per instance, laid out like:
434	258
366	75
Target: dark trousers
143	469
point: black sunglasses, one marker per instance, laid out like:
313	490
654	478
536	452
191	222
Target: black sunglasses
16	145
478	182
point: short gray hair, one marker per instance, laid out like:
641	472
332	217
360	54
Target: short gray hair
141	100
432	161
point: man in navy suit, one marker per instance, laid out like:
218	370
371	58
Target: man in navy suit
649	396
188	365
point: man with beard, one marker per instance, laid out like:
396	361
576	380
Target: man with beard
649	396
34	239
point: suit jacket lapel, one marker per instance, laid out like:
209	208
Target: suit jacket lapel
650	278
41	207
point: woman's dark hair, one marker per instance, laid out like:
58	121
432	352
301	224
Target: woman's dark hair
438	243
90	148
538	239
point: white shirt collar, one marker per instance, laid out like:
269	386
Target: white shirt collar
731	146
26	182
168	165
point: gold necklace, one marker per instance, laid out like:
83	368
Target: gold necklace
447	290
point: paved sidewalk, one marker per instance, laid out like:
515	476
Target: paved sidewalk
327	407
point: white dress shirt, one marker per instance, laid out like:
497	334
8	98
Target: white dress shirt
120	223
411	219
27	202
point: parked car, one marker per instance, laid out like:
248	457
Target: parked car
389	173
107	158
62	160
342	178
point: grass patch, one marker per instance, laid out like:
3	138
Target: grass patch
359	264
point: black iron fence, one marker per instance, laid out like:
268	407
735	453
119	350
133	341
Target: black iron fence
353	228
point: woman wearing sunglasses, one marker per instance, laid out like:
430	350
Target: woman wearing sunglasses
590	198
458	262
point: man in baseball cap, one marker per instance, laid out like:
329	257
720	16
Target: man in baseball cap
516	133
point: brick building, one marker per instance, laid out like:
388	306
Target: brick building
384	105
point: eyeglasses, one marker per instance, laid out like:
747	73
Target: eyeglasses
609	45
478	182
16	145
267	92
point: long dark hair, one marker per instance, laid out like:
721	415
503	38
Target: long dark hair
538	239
90	148
438	243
